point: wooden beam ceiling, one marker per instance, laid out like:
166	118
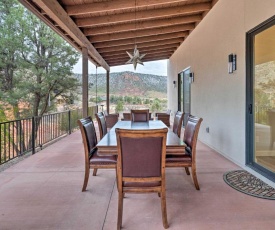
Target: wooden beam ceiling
142	33
156	58
103	7
143	50
139	40
140	45
143	15
107	28
142	25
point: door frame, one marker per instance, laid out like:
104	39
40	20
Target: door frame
180	90
250	133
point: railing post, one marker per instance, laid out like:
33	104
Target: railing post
69	117
33	135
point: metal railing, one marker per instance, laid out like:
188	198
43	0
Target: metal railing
19	137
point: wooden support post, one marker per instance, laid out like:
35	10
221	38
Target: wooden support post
108	91
85	83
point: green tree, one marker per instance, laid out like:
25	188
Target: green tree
147	101
35	63
156	106
112	98
47	63
39	65
119	107
10	43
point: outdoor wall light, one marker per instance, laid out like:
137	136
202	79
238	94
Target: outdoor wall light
174	84
191	77
232	63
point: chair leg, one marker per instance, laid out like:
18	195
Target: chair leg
86	178
163	210
187	171
120	210
95	171
195	179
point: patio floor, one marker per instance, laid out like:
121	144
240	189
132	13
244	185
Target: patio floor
44	192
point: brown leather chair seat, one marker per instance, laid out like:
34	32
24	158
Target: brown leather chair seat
95	159
178	158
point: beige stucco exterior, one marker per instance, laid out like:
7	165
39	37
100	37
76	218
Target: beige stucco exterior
216	96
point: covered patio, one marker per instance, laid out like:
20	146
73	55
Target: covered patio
44	192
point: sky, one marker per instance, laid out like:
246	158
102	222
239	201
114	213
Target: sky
153	67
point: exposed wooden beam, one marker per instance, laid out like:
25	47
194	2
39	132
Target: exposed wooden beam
144	60
58	14
173	46
214	2
124	54
142	25
111	7
148	51
140	45
140	40
143	15
141	33
148	56
154	38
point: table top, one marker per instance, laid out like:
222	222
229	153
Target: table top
108	144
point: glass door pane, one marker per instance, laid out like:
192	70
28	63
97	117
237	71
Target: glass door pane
186	95
264	98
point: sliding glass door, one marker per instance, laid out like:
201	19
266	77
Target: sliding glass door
261	98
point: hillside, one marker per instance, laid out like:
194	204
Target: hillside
129	83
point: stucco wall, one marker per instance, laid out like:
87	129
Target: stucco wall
216	96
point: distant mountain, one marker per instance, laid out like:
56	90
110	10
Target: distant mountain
129	83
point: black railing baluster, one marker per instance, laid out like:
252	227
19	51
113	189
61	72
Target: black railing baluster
5	150
33	134
21	136
69	118
1	155
9	139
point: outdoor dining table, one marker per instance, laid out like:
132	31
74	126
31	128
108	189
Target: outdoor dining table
108	144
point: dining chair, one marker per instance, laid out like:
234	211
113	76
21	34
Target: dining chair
188	159
92	159
101	124
177	125
141	165
111	119
126	117
138	115
164	117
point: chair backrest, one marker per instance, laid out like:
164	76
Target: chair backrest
101	124
127	116
141	153
89	138
191	133
164	117
140	115
177	125
111	119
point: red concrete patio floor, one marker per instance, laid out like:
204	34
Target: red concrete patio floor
44	192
